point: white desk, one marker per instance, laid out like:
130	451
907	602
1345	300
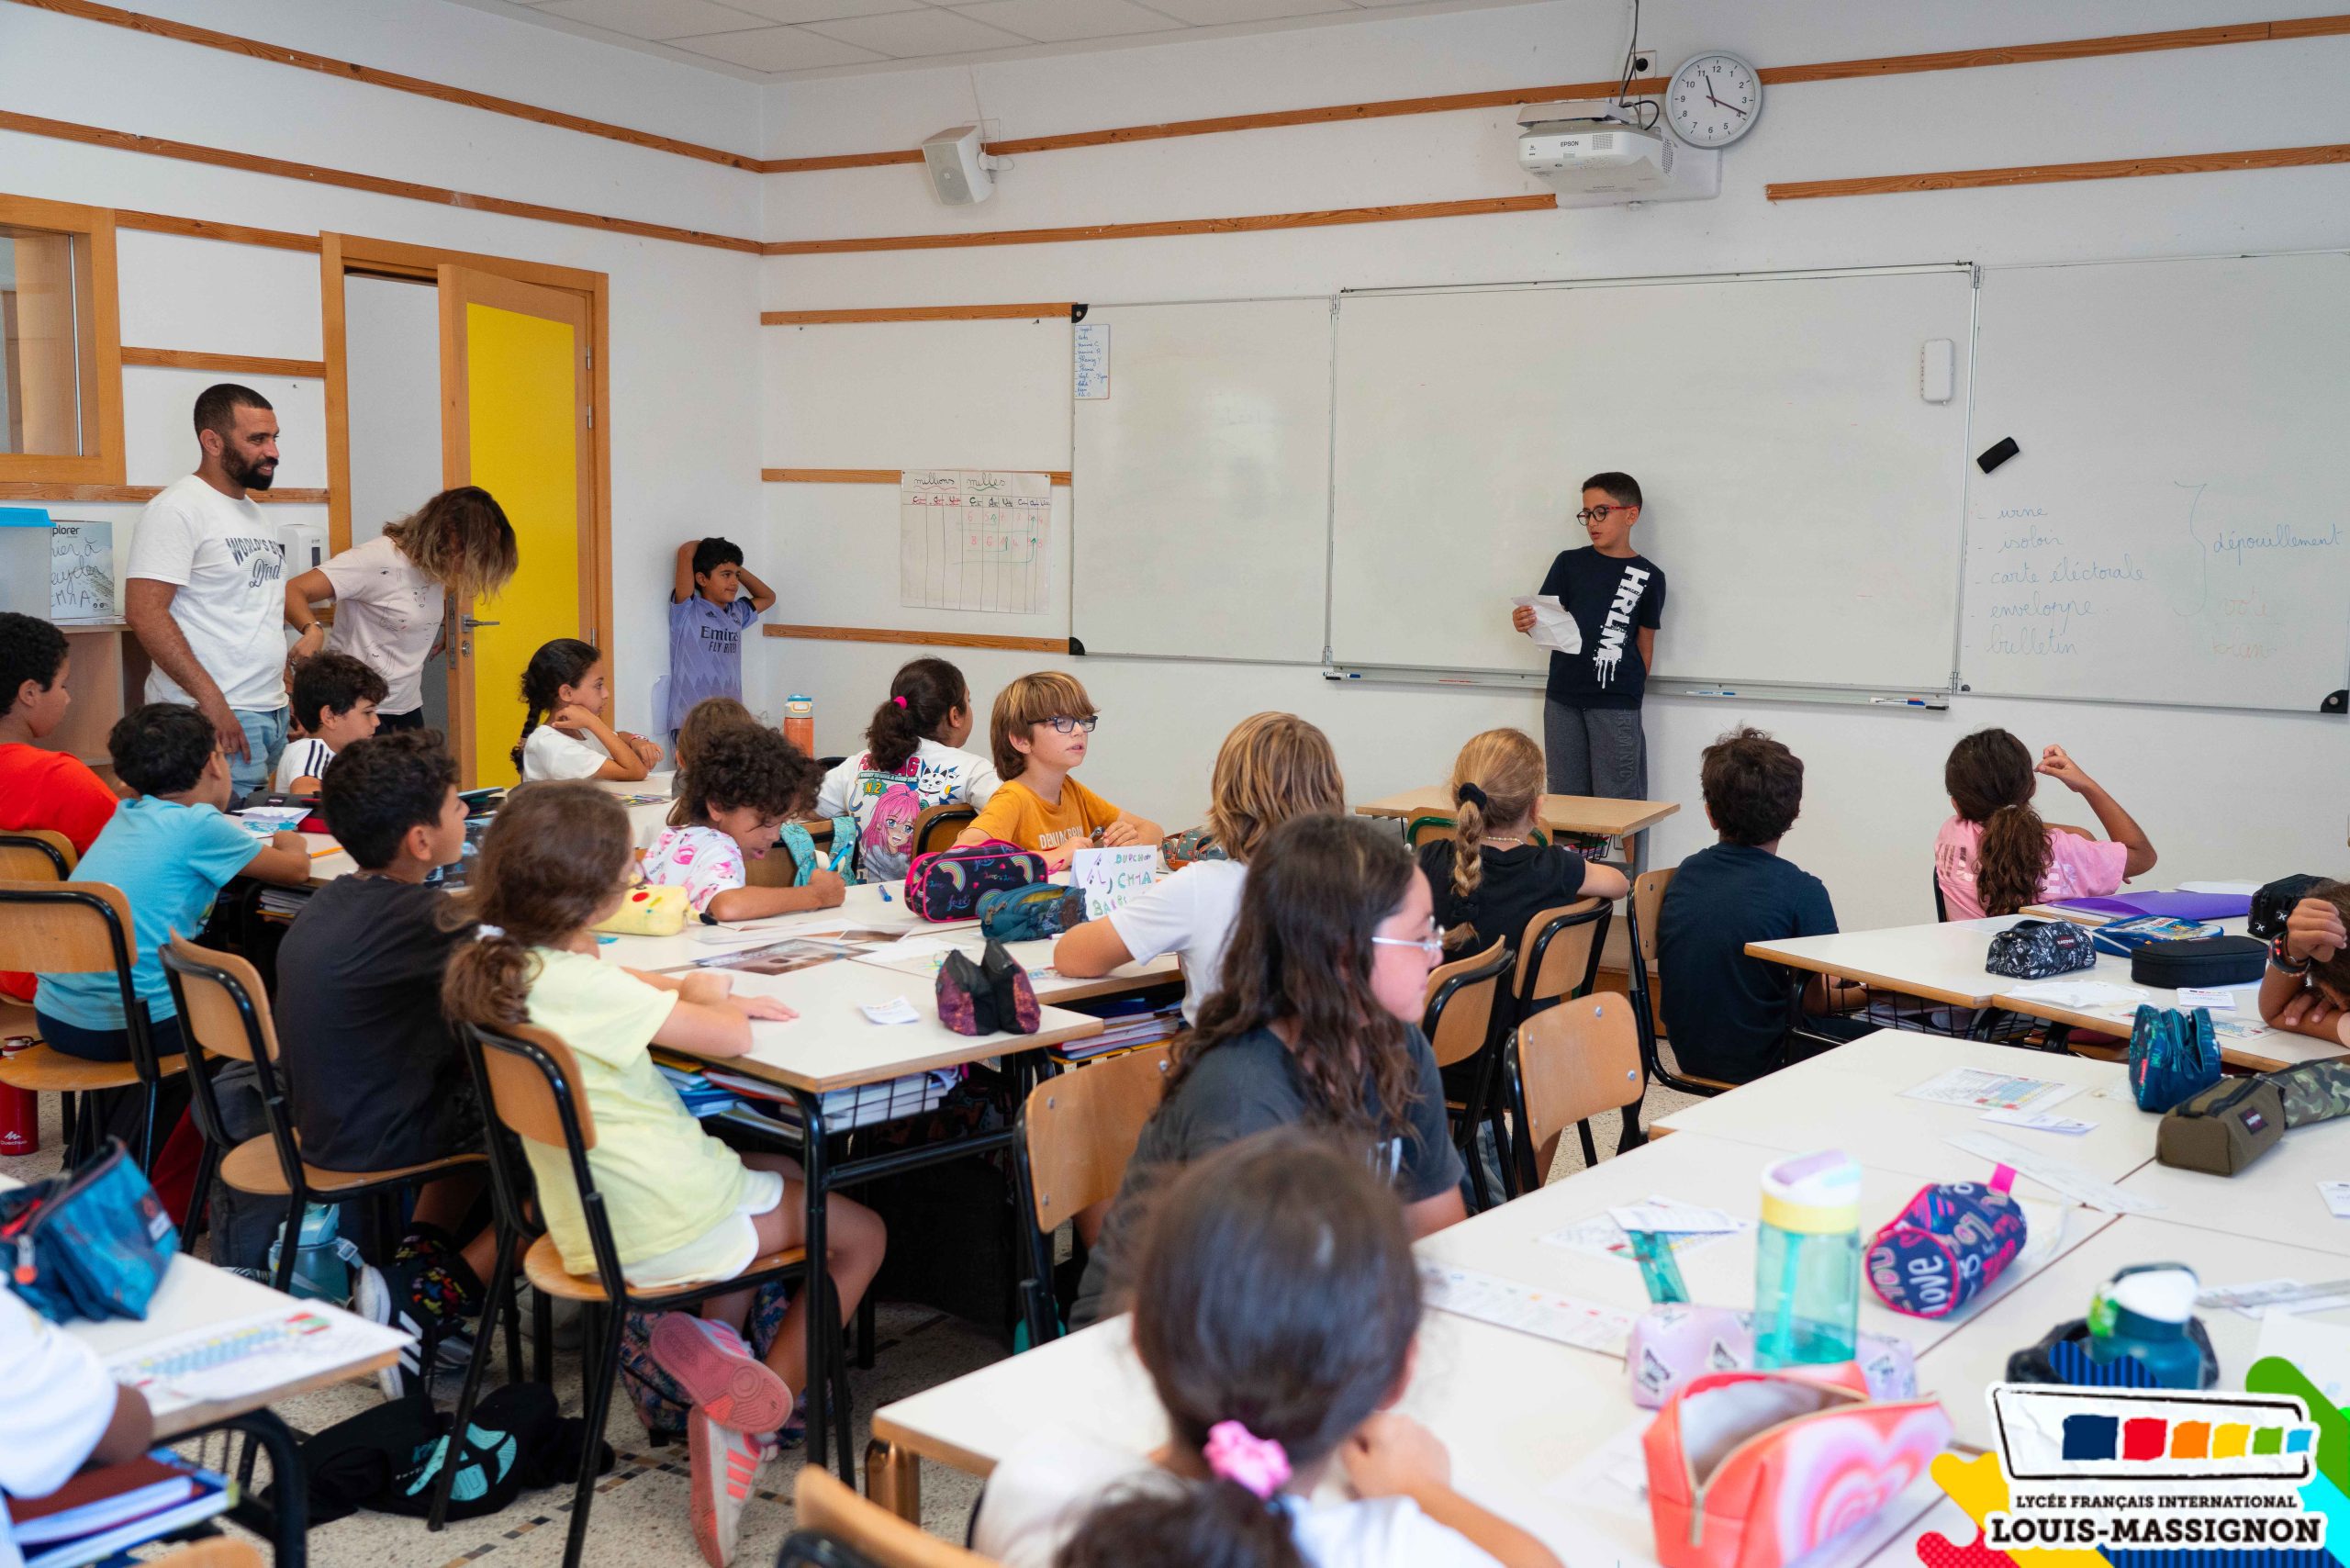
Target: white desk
874	906
329	859
1051	986
1810	1105
1941	962
2275	1200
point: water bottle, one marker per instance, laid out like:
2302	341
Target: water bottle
19	1112
799	722
1807	1261
2142	1314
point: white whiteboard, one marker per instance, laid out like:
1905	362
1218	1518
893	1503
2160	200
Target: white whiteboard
1804	503
2173	529
1203	483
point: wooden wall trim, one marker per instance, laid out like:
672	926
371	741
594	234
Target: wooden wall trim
203	228
870	475
21	491
918	313
2061	173
923	639
1475	207
98	136
344	70
251	365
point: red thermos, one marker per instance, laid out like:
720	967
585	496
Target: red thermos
19	1111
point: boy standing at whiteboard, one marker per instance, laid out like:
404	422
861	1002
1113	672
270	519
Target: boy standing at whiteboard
1591	715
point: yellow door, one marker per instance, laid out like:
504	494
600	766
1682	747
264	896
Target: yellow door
515	399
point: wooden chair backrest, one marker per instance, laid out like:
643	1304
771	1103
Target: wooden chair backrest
937	827
776	868
48	935
35	854
1458	1031
1567	959
213	1018
522	1098
1648	903
1575	1061
872	1531
1428	829
1082	1129
221	1551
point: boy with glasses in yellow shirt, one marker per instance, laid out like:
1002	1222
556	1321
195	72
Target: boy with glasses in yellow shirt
1039	731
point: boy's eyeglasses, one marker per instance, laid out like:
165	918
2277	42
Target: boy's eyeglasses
1599	514
1432	944
1071	726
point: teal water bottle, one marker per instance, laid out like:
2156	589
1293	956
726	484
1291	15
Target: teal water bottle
2142	1314
1807	1261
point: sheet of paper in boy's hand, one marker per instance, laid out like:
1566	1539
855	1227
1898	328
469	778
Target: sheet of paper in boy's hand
1553	627
2207	996
1991	1091
2080	993
1112	878
1488	1298
2337	1198
2041	1122
1676	1218
897	1010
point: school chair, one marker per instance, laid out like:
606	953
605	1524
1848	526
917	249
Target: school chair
1077	1131
220	1552
64	928
1642	912
33	855
839	1530
776	868
936	827
1427	830
1463	1015
1570	1064
526	1077
1941	904
1558	956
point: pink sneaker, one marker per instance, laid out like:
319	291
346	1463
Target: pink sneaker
720	1376
726	1467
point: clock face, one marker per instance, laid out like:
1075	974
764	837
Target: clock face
1712	99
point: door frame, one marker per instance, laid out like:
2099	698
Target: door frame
342	254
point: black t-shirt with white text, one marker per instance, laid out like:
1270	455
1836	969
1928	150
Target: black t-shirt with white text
1610	597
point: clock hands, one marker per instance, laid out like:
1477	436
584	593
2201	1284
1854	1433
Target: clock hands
1716	102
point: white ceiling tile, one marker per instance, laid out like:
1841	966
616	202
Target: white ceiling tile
909	34
1062	21
1215	13
822	10
655	19
779	48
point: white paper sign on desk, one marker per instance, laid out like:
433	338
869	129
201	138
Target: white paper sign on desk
1112	878
2071	1182
1488	1298
1553	627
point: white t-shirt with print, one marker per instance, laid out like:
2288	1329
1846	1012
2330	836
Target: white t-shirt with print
550	753
1043	1490
59	1404
885	804
1191	913
702	860
387	615
229	564
304	758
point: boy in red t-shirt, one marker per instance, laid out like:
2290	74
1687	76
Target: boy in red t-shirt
39	788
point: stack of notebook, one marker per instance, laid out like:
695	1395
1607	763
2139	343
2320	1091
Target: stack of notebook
105	1511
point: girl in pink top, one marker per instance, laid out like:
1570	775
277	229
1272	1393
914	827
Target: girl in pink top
1996	855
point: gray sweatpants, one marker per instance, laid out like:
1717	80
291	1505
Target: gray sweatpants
1597	751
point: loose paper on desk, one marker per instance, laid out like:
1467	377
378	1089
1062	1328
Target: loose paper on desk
1112	878
1987	1090
2207	996
1553	627
2319	1352
2080	993
897	1010
271	1348
2337	1198
1488	1298
2070	1181
1601	1237
2041	1122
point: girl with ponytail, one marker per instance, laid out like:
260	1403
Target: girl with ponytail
1995	855
914	760
1276	1309
682	1206
564	732
1491	876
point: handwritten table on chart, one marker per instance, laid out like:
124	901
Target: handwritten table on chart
973	539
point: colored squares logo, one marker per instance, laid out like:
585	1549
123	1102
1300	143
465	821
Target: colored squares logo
2052	1432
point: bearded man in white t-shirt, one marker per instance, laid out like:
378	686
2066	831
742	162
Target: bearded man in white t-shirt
206	595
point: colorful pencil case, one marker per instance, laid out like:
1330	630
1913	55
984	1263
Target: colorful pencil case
650	910
1947	1246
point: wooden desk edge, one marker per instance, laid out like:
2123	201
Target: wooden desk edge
1764	951
961	1054
180	1422
924	1446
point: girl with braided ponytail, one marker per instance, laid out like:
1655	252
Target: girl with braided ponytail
1490	877
1276	1310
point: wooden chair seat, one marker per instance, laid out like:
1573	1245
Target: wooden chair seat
542	1266
253	1167
46	1070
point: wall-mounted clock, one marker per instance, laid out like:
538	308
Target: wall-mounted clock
1714	99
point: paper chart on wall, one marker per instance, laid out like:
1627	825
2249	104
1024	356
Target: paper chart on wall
973	539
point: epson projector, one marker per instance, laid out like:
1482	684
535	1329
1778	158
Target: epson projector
1596	153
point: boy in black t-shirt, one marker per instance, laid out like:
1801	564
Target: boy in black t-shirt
375	1074
1727	1014
1591	715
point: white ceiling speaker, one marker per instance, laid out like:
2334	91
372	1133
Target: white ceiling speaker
961	171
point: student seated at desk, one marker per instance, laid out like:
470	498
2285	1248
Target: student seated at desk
1277	1310
743	783
1491	875
1039	731
1726	1013
914	760
60	1411
1316	1022
1273	767
564	734
334	701
682	1206
53	791
703	720
1995	855
2307	988
375	1074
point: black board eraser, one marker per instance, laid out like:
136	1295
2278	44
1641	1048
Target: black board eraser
1991	459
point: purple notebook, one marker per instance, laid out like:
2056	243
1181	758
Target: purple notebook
2176	906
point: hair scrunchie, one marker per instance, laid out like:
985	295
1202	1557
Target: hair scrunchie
899	700
1471	795
485	932
1236	1454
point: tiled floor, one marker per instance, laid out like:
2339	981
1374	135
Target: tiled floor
640	1516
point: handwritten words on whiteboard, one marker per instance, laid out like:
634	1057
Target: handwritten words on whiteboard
81	571
973	539
1091	360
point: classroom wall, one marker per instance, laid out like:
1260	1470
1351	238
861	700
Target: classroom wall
2222	794
684	380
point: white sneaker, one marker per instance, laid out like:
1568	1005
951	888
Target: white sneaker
726	1466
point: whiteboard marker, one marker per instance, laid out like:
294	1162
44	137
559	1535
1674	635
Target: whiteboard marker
1710	692
1898	701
